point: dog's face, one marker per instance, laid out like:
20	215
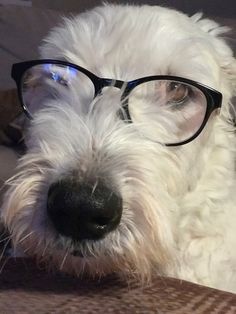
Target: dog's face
94	192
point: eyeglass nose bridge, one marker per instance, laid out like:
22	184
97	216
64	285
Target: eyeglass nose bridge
125	87
104	82
125	90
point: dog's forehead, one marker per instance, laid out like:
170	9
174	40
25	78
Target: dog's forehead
127	42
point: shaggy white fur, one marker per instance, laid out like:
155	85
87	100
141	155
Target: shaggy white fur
179	203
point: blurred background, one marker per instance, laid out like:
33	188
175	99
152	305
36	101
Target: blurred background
212	7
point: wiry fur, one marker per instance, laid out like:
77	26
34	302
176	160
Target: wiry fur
179	212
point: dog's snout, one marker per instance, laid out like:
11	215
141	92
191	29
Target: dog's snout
83	211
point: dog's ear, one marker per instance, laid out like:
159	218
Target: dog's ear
222	39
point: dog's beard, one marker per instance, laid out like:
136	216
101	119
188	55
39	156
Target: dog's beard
136	247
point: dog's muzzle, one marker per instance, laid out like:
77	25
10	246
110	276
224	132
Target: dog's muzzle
81	211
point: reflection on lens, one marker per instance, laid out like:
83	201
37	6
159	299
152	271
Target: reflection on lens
44	83
167	111
63	75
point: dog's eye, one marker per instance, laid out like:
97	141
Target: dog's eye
177	92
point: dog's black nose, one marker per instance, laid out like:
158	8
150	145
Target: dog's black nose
81	211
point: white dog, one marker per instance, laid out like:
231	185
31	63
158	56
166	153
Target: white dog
131	148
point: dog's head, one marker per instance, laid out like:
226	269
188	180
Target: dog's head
123	128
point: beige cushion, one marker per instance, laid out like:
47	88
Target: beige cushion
21	32
8	160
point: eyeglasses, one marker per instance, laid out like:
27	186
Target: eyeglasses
167	109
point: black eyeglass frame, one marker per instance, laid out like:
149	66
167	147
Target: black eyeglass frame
213	97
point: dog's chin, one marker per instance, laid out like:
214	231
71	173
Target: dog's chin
77	253
80	249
